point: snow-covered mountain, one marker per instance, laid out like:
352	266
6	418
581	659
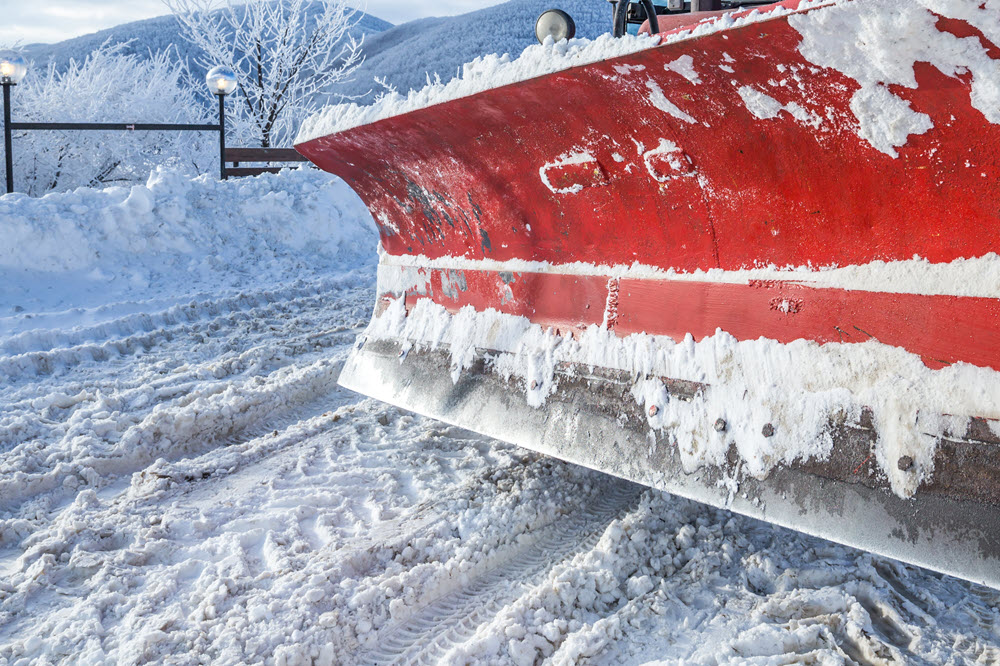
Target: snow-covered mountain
152	35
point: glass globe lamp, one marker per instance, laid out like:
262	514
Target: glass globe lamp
221	80
12	67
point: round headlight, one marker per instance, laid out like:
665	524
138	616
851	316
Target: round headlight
554	23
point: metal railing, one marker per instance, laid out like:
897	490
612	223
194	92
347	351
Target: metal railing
9	127
237	156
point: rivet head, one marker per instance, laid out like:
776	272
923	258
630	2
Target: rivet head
904	463
653	410
721	425
767	430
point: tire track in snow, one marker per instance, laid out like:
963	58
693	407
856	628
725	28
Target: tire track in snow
212	383
249	448
239	413
194	310
453	618
140	334
253	507
201	353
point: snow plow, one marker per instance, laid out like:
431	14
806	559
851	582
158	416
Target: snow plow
750	260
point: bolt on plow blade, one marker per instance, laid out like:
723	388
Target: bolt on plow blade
752	263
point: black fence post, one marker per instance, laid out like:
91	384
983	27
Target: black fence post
7	137
222	137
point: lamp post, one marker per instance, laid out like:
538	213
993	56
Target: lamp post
12	70
221	81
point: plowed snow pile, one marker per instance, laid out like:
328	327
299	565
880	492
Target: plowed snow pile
175	235
182	481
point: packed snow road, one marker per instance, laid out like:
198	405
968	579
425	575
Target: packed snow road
182	481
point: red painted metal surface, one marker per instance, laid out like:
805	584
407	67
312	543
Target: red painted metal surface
462	178
566	302
671	22
940	329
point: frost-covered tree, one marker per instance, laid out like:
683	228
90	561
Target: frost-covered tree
106	87
285	53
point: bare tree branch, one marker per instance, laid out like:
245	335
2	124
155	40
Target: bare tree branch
287	54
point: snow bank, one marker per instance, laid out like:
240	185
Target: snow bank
175	234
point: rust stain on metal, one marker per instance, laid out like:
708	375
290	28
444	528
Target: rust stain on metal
863	463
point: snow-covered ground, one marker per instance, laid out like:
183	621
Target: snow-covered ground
182	480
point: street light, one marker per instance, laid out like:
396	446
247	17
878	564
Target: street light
12	67
221	81
12	70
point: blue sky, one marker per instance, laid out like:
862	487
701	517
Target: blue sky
29	21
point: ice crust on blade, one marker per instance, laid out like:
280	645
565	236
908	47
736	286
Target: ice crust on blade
765	107
796	387
685	67
886	120
669	151
660	101
759	104
572	158
877	43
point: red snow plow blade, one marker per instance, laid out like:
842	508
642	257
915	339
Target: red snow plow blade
752	265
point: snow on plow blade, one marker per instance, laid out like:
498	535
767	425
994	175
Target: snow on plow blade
752	265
